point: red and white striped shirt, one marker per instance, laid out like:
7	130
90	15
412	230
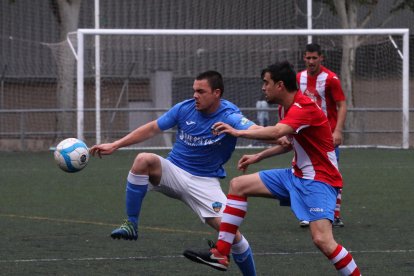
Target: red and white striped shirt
325	89
313	145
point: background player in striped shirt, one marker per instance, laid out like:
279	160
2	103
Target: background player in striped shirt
323	86
310	187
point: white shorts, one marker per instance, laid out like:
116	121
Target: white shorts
202	194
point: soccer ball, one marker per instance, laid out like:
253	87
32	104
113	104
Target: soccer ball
71	155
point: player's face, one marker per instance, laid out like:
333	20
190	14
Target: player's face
271	89
206	99
313	62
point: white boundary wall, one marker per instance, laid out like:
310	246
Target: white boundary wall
80	59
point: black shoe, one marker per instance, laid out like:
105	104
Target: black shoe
338	223
211	257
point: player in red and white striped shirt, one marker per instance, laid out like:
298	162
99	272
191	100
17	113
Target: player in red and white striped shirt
324	87
310	187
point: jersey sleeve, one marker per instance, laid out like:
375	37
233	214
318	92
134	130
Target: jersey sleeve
336	89
238	121
169	119
298	117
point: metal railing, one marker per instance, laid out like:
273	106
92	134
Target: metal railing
21	127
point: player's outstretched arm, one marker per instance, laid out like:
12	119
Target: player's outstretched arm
265	133
102	149
249	159
281	141
284	142
140	134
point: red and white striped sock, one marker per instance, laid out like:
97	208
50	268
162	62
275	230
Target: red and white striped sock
233	215
338	204
344	262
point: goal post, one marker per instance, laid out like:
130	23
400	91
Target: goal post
174	42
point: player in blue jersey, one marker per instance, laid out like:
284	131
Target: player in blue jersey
192	170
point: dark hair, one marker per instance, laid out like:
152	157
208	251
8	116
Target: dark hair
313	47
282	71
214	79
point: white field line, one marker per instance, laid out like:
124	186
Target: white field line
397	251
74	221
97	259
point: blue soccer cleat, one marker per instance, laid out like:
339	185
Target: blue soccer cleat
127	231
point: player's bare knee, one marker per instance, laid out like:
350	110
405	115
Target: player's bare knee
142	163
321	241
317	240
236	186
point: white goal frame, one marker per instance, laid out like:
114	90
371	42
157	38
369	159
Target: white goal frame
79	54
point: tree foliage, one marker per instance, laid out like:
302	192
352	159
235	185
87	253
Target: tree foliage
353	14
403	5
370	5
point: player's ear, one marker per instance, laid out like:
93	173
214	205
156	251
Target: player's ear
218	92
279	84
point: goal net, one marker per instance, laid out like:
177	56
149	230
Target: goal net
126	78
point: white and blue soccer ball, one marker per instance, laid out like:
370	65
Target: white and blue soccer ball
71	155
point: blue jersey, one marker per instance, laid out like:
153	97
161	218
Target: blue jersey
196	149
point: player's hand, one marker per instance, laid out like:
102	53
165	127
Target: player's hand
220	128
337	137
247	160
102	149
284	142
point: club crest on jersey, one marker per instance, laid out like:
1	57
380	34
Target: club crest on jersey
310	95
217	206
244	121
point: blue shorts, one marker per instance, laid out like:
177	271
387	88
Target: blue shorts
309	199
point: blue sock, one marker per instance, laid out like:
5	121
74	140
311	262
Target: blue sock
245	262
243	257
134	196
